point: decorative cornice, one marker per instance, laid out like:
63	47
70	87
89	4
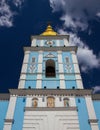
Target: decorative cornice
93	120
67	48
67	92
9	120
95	96
40	37
4	96
50	109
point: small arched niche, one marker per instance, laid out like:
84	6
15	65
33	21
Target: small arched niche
35	102
66	102
50	101
50	68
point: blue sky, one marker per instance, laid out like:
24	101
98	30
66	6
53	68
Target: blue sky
19	19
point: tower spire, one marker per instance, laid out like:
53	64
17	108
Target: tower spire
49	31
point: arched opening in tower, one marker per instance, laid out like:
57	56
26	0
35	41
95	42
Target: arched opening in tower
50	68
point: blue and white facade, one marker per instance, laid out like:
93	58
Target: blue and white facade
50	94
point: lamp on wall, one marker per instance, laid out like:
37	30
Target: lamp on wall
73	87
45	87
57	87
29	87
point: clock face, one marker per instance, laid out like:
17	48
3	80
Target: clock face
49	42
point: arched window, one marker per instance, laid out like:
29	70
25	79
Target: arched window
34	102
50	68
50	101
66	102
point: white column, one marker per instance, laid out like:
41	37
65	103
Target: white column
33	42
39	70
61	70
91	113
66	42
76	70
24	70
10	113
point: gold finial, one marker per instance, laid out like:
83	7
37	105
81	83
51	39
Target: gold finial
49	31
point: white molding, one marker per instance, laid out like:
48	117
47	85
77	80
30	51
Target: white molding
10	112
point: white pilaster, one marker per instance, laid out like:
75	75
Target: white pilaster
39	70
10	113
66	42
29	101
61	70
33	42
91	113
57	42
72	102
24	70
77	71
42	43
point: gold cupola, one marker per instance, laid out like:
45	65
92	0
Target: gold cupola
49	31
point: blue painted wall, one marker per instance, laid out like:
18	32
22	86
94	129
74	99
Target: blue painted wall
31	77
70	84
3	111
51	83
64	55
82	114
70	80
97	109
19	114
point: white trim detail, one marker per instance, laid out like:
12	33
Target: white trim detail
10	112
33	42
61	71
24	70
39	70
91	112
77	71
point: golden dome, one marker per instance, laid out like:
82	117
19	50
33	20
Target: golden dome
49	31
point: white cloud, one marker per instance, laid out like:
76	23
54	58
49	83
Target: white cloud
87	59
18	3
96	89
76	13
6	14
98	14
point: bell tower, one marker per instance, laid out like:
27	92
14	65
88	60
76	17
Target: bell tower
50	94
50	63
